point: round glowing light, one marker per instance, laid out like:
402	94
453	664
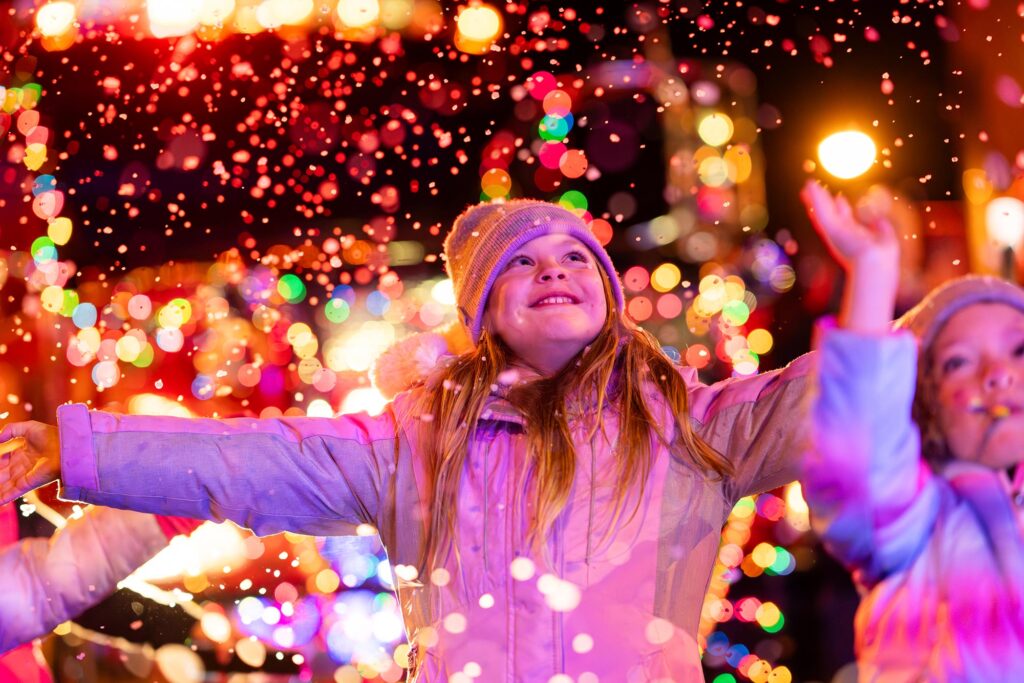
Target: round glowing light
364	400
557	102
713	171
59	231
336	310
291	287
496	182
715	129
128	348
170	339
1004	218
215	626
480	24
573	163
358	13
173	17
665	277
553	127
55	18
52	298
760	341
443	292
847	154
735	313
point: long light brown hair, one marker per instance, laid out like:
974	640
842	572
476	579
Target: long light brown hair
612	369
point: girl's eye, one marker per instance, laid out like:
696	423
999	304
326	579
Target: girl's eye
952	364
1019	350
519	261
577	256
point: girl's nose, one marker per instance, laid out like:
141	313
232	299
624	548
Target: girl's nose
551	270
998	377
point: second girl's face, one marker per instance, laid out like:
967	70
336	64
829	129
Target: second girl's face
978	367
549	300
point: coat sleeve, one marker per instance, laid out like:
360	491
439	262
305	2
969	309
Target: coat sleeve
317	476
47	581
758	423
873	499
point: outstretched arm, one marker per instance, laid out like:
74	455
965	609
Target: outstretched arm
872	498
319	476
758	422
48	581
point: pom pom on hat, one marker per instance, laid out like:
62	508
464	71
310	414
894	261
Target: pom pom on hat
412	360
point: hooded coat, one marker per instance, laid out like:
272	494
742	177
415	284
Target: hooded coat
938	556
610	599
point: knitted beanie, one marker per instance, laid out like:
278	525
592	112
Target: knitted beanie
926	319
486	237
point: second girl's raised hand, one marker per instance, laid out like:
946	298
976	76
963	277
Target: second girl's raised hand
29	458
865	245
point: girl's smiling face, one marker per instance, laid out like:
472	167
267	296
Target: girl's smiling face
549	302
978	370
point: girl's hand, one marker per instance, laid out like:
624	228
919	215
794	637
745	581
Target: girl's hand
864	243
864	235
29	458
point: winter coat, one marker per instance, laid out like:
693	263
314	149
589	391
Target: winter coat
938	557
619	598
44	582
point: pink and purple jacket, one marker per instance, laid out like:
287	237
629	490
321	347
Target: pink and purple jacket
619	599
939	557
47	581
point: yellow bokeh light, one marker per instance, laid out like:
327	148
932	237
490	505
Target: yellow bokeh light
713	171
665	277
764	555
327	581
52	298
760	341
977	188
480	23
847	154
55	18
715	129
128	348
739	163
358	13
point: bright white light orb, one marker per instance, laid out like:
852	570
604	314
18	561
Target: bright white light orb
1004	218
847	154
55	18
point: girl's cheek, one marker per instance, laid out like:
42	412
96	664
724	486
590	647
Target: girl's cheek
961	399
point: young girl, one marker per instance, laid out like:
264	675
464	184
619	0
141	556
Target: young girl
914	482
551	500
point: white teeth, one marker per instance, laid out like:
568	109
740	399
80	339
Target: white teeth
554	300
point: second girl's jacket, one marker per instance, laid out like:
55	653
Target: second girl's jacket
617	597
46	581
939	557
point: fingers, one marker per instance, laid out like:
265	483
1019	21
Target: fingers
11	445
